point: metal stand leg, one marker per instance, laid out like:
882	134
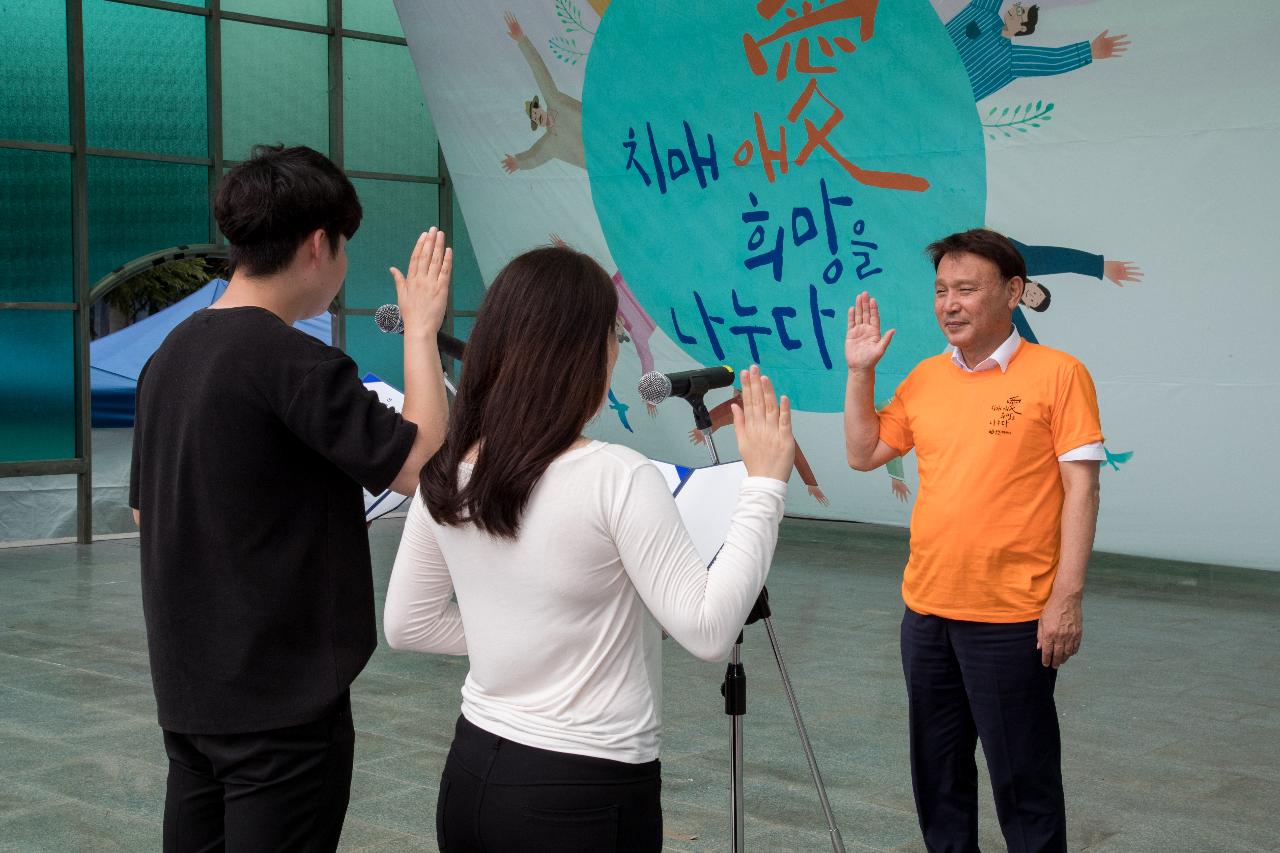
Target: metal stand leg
837	843
735	705
734	690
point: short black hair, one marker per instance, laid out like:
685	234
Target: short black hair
984	243
1029	25
267	205
1044	303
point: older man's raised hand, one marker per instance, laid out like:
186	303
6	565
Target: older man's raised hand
863	344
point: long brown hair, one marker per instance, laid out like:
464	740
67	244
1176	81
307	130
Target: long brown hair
535	371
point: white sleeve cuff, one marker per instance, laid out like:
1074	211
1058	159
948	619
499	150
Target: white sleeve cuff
1092	452
767	484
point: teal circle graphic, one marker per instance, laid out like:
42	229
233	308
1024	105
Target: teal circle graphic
677	169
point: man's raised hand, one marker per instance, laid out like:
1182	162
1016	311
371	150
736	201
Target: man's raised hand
423	292
863	344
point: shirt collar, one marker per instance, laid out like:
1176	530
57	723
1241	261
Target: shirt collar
1000	358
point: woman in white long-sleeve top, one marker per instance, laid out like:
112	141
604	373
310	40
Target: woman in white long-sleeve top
568	559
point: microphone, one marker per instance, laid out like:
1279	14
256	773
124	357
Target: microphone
388	319
656	386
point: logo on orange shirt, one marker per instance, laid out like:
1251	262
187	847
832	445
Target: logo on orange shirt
1003	416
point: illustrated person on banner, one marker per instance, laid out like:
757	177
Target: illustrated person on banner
557	115
722	416
1008	440
984	38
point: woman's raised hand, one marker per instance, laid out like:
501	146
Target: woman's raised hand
763	427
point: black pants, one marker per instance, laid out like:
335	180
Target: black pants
279	790
970	680
498	796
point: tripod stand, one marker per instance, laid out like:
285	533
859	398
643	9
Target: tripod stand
734	690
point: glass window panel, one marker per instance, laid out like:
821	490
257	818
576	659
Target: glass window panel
144	79
371	16
37	385
306	11
35	217
387	126
395	213
375	351
137	207
468	284
275	88
33	66
462	327
112	458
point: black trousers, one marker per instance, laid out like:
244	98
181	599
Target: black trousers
279	790
498	796
970	680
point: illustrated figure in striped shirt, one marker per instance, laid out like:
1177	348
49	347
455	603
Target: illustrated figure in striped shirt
984	39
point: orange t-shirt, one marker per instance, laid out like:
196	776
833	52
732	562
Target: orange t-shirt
986	529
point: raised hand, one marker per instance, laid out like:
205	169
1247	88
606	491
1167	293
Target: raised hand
1104	46
1121	271
863	343
513	26
423	293
763	427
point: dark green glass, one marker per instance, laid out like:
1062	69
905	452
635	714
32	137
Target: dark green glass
395	213
275	88
35	214
144	74
33	68
385	119
137	207
37	385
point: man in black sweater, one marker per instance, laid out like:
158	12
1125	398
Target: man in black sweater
251	445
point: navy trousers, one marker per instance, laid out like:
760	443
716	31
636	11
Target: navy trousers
971	680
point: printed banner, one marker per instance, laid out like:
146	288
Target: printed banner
744	169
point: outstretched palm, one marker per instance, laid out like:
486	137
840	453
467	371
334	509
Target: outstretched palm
513	26
863	344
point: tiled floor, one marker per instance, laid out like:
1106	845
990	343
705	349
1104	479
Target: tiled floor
1171	715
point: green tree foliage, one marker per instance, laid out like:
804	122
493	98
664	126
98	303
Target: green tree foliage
159	287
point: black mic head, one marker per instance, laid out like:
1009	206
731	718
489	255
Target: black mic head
388	319
654	387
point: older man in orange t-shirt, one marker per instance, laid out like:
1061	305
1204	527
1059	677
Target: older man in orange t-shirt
1008	441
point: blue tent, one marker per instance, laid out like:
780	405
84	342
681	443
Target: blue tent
115	360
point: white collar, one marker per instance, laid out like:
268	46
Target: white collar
1000	358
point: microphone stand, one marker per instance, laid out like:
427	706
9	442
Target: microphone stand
702	421
734	689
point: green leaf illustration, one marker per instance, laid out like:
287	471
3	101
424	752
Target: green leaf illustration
1024	116
571	16
566	50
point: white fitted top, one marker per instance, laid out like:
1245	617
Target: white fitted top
564	624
